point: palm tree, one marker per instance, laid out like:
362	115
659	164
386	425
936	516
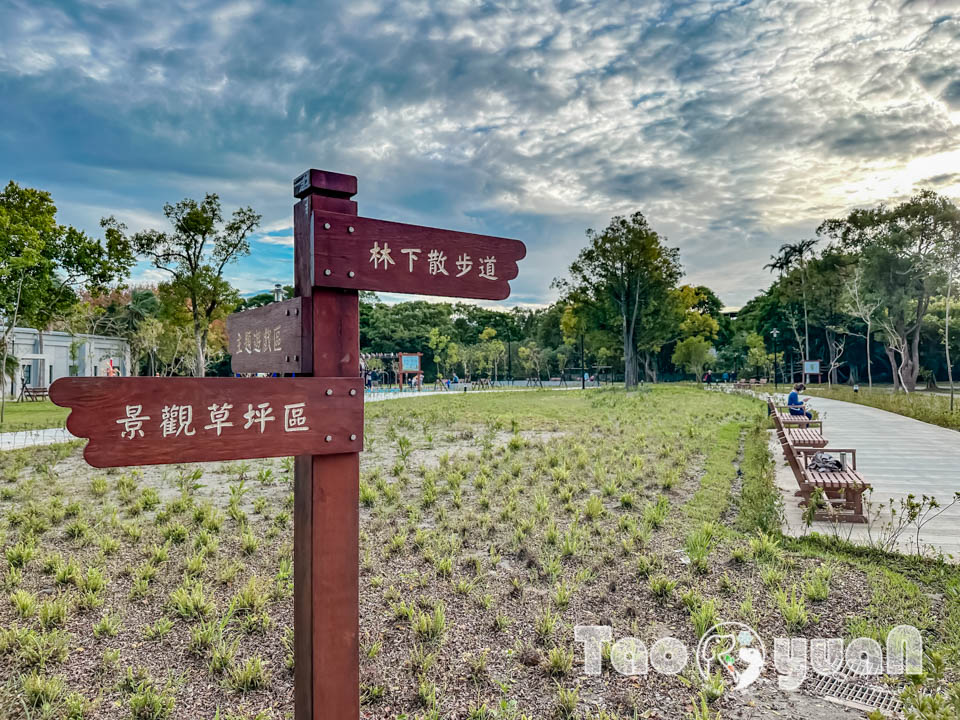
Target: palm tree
142	306
794	255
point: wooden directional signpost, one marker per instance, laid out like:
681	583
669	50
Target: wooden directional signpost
316	416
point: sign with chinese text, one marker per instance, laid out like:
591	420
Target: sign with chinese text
364	254
811	367
410	363
149	421
267	339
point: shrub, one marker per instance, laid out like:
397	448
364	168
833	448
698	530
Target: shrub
150	703
662	586
792	608
41	690
655	514
25	603
53	613
559	661
704	617
107	626
431	626
765	548
188	601
817	586
20	554
250	675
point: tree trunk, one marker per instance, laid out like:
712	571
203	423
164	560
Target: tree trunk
869	371
832	354
629	359
6	349
946	338
201	363
913	361
891	356
649	368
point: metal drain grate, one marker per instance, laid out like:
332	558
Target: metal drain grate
857	693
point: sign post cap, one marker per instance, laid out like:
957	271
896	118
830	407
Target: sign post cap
325	183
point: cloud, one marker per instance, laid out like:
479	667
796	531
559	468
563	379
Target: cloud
284	240
733	126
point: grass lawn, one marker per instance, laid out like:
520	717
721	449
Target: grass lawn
491	525
32	416
925	406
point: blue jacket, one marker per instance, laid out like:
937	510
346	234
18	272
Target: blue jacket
793	401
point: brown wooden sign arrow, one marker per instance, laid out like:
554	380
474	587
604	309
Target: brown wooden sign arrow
267	339
364	254
150	421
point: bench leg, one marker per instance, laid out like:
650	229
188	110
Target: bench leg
857	499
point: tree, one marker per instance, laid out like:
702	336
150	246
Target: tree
697	318
757	356
468	356
793	256
43	265
693	353
629	265
440	344
195	254
863	306
492	350
532	358
900	249
950	259
827	276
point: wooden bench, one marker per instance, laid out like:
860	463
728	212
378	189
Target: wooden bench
811	435
807	437
782	414
35	393
841	490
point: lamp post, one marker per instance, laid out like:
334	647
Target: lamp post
277	293
776	364
583	366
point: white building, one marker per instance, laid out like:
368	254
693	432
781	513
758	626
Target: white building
63	355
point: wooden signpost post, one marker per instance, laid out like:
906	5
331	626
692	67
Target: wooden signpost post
319	419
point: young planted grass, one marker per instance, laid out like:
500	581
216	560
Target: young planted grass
490	525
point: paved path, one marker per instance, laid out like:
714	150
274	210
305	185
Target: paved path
898	456
29	438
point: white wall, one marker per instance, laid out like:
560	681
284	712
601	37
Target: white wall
90	357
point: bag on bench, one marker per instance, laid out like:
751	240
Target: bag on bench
821	462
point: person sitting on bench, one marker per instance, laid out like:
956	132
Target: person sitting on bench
796	405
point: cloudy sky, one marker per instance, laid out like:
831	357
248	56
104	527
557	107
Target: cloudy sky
734	126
